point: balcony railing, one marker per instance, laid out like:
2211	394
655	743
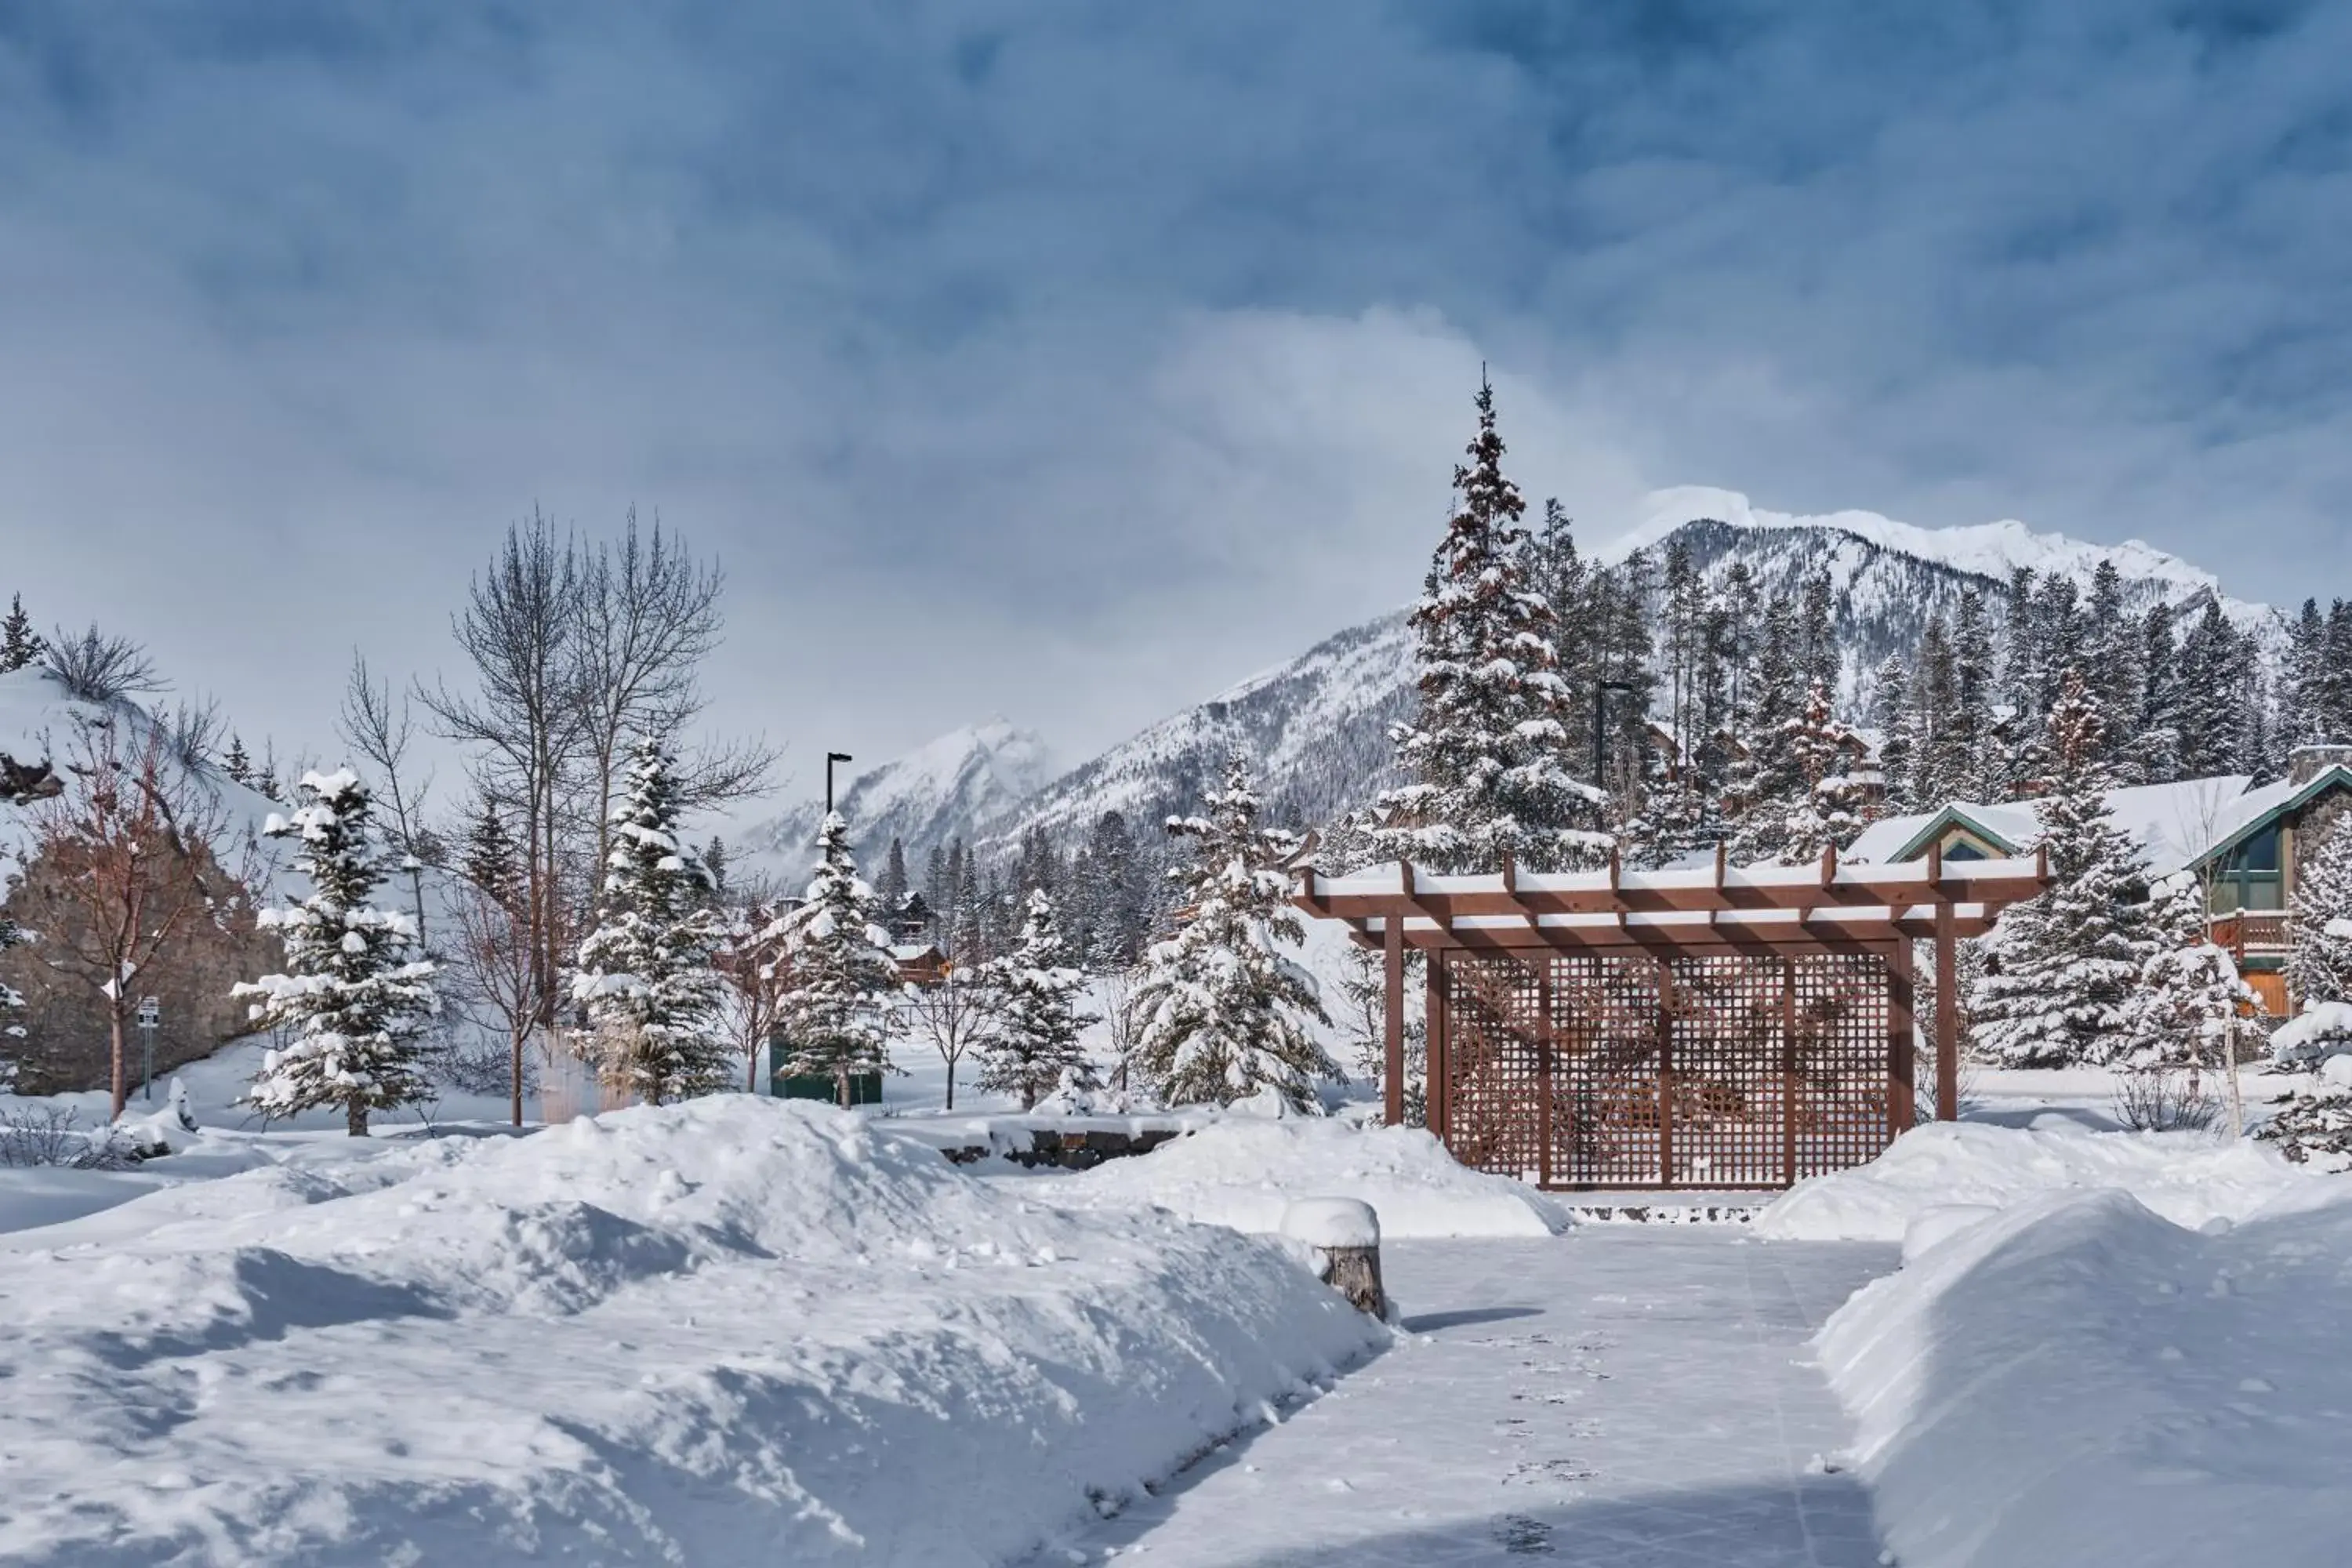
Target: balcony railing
2249	931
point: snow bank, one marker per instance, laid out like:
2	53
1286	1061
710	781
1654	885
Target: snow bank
1243	1173
2080	1381
2189	1177
728	1331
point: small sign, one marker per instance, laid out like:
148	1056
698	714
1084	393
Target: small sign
151	1012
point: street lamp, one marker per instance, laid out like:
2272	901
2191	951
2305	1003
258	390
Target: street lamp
1600	714
831	758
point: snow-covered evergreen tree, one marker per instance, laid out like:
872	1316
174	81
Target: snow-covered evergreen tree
1769	786
1832	810
2185	1009
2319	960
1489	752
890	892
20	645
646	976
1031	1047
833	1019
2063	964
1223	1010
358	992
237	765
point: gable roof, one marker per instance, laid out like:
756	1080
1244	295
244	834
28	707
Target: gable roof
2176	825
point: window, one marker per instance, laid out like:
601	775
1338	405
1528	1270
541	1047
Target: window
2247	878
1961	850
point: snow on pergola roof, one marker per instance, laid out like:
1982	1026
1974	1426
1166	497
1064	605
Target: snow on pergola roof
1820	906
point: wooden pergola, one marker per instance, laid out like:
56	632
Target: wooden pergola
1703	1027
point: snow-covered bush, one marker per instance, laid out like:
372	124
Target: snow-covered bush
49	1135
98	667
2313	1128
2323	1030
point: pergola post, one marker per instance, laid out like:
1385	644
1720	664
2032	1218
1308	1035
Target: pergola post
1434	1046
1902	1089
1948	994
1392	1024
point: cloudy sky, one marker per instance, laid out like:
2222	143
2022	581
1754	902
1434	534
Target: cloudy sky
1072	360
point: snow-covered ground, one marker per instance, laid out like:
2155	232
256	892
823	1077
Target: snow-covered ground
1620	1396
731	1331
2079	1381
1242	1171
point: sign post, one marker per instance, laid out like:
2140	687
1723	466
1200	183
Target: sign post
150	1015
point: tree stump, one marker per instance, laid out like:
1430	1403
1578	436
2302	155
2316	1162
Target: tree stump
1343	1236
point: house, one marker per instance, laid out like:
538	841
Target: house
2242	839
919	963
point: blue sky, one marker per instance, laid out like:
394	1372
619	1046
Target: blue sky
1069	362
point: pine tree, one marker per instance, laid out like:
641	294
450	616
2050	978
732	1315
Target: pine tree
1120	914
647	977
1891	711
490	856
2304	697
1974	751
2185	1009
1942	758
891	890
1032	1046
2067	961
1488	751
1768	783
1222	1008
1832	810
2159	746
2209	696
2111	656
714	863
237	765
20	645
358	992
2319	961
1820	660
834	1018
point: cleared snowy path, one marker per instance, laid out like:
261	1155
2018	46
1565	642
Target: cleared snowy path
1621	1395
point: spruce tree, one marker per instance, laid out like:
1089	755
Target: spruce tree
1891	711
1032	1046
2068	960
237	765
1121	913
1831	811
1975	751
892	889
1224	1009
20	645
2111	658
1768	783
2319	961
488	860
2184	1011
1942	757
647	976
2158	749
833	1019
1488	751
358	995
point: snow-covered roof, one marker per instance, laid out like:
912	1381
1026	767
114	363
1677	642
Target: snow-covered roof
2176	825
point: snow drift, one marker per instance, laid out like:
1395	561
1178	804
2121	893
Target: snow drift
2188	1177
728	1331
2081	1381
1244	1171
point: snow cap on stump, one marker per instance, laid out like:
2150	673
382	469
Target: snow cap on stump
1331	1221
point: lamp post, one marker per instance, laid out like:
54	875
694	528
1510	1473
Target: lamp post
1600	714
831	758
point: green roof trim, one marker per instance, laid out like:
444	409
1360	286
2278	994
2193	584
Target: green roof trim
2336	775
1954	816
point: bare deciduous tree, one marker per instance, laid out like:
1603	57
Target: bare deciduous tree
519	632
133	835
753	966
956	1014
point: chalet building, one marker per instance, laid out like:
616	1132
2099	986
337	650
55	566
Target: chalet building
2243	840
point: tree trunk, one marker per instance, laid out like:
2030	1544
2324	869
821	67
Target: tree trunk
119	1068
1355	1273
355	1113
950	1105
514	1071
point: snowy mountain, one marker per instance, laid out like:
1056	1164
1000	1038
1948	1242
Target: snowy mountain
946	788
1317	726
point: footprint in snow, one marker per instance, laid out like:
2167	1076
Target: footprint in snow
1523	1537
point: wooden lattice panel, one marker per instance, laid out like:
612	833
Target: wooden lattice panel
1723	1070
1726	1073
1494	1065
1842	1023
